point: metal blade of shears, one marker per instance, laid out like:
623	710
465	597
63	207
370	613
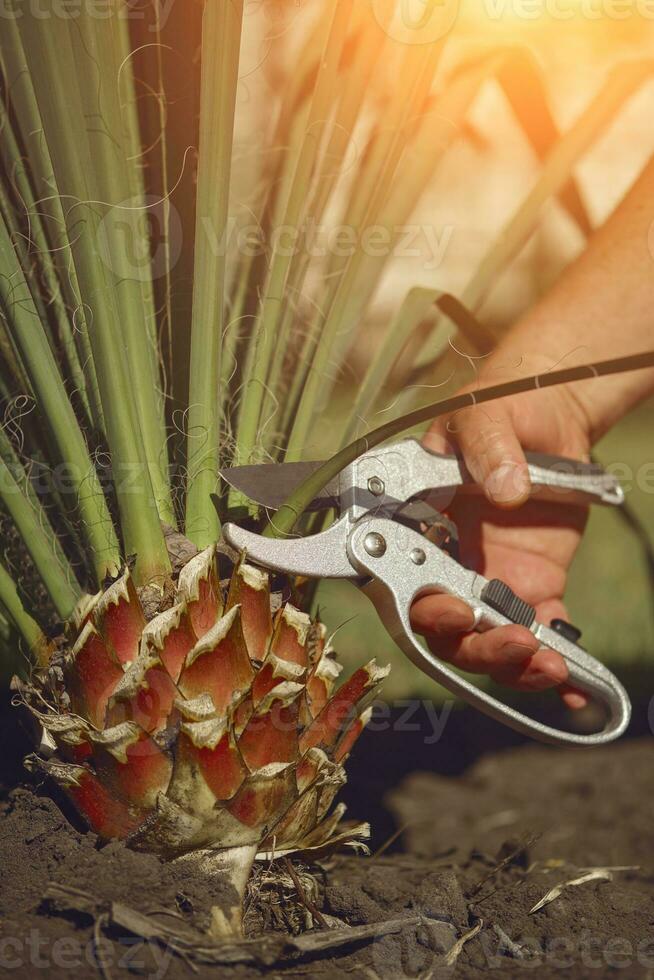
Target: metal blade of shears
270	484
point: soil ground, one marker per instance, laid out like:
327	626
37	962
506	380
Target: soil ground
478	849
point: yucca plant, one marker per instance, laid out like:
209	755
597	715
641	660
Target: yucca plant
183	707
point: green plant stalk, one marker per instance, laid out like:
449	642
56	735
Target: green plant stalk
295	212
35	247
240	322
56	67
282	181
15	611
45	204
41	543
221	39
133	149
13	379
276	169
20	475
49	391
287	516
114	147
167	323
5	631
402	119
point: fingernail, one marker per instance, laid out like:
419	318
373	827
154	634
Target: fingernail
507	484
517	652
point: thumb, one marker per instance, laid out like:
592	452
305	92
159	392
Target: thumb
492	452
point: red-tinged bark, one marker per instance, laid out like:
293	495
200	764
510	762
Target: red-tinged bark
219	664
118	617
289	639
104	812
298	820
263	795
132	766
350	735
92	674
341	710
145	695
271	735
308	768
320	682
274	672
172	637
220	764
199	588
250	589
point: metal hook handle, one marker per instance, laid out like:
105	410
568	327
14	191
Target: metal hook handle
402	565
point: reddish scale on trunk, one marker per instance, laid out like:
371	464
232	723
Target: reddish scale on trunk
271	735
119	619
273	673
249	589
139	776
177	645
91	676
351	734
308	768
153	705
329	724
221	767
263	795
199	587
219	664
299	819
289	640
104	812
320	682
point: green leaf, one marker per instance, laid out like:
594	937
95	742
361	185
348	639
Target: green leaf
11	604
23	325
221	39
75	70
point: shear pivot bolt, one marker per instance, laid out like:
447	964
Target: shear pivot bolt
375	544
418	557
376	486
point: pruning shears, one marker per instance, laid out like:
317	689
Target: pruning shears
391	538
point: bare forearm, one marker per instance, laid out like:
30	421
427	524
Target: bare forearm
602	307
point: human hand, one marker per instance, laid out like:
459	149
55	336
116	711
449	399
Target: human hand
526	543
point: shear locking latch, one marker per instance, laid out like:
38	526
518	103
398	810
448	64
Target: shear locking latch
499	596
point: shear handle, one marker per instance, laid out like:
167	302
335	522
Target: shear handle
402	565
408	468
